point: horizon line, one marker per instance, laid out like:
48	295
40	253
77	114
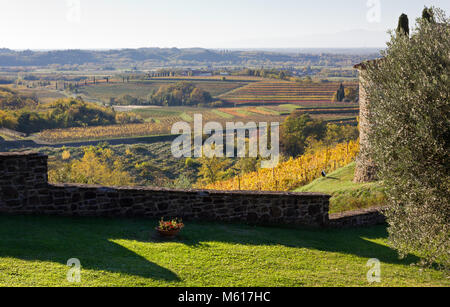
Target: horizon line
181	48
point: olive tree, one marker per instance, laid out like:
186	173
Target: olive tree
409	94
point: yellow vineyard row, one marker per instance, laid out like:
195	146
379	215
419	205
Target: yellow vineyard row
293	173
100	132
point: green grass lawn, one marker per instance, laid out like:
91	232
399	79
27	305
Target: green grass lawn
120	252
347	195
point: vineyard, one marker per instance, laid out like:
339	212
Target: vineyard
232	90
159	120
328	110
103	132
154	125
294	173
281	92
258	101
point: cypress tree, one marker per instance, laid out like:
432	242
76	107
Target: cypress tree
403	25
340	93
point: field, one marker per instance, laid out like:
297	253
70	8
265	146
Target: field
260	100
44	95
235	90
121	252
159	120
141	89
283	92
103	132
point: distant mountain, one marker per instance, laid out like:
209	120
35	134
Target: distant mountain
317	50
355	39
156	57
346	39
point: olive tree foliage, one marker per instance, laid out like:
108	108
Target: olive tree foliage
427	14
409	95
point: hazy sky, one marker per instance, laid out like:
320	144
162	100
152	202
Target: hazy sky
92	24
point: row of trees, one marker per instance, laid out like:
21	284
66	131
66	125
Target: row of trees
178	94
265	73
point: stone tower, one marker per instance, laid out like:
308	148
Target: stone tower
365	168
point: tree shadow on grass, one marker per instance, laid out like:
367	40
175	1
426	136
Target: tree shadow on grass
357	241
56	239
90	239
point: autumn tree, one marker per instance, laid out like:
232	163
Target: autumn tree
212	169
7	120
351	94
98	165
295	131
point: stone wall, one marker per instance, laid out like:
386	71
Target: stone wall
365	169
358	218
24	190
22	178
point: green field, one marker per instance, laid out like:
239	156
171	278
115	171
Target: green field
118	252
103	92
347	195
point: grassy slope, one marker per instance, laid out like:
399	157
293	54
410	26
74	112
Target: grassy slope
347	195
118	252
